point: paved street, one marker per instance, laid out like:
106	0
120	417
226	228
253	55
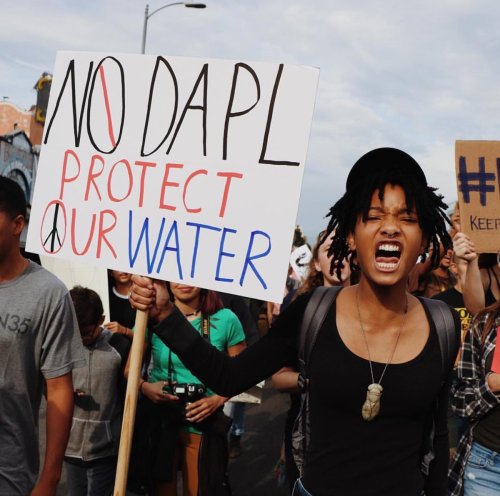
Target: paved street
252	472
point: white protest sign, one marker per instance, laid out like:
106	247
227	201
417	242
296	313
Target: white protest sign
182	169
299	260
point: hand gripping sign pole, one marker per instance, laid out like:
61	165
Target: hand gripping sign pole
134	375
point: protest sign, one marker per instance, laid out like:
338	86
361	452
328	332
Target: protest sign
299	260
478	185
182	169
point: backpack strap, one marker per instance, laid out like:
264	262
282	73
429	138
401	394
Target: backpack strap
314	316
449	342
442	317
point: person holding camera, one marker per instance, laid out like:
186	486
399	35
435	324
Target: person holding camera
175	388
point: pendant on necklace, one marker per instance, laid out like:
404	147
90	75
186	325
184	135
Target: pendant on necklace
371	406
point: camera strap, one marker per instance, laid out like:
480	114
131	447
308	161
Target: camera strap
205	327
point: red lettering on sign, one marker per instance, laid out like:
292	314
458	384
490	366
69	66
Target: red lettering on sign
229	176
167	183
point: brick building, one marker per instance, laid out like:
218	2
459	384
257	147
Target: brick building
13	119
21	133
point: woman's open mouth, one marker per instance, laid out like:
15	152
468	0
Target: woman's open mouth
387	256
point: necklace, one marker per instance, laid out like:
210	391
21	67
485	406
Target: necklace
371	406
192	314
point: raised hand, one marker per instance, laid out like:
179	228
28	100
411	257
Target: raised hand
463	247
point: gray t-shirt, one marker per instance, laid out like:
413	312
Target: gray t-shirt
39	339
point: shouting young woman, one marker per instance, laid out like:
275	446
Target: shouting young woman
377	387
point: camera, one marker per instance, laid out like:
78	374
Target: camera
187	393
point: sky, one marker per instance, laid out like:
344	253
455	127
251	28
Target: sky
415	75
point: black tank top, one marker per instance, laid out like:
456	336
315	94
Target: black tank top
489	297
350	456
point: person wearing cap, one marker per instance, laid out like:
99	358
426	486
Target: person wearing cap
376	337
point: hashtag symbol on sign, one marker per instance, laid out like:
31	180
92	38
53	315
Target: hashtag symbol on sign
475	181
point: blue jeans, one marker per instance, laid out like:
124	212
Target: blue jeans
236	410
96	478
299	489
482	472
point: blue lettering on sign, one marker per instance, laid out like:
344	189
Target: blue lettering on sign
144	234
223	253
249	257
199	227
175	248
478	179
143	245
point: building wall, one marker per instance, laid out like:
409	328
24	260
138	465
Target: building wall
36	132
18	161
12	118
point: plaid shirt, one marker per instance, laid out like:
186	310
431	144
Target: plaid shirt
471	396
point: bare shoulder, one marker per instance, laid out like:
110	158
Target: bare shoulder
346	302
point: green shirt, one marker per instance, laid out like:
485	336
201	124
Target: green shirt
225	331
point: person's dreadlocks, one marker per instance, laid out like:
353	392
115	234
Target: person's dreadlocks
371	173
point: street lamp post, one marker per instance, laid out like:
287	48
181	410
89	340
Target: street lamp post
148	14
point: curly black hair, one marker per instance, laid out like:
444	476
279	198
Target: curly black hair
372	172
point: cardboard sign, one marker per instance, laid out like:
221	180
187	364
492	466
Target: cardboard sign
478	185
182	169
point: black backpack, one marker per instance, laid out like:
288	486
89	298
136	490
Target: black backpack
315	313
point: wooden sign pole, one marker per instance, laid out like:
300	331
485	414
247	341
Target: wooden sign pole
134	376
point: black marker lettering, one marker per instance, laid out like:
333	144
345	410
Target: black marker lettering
262	159
203	75
77	128
150	100
230	112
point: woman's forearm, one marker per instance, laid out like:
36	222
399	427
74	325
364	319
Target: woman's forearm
473	289
225	375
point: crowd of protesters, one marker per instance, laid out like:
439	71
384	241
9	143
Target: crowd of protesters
386	417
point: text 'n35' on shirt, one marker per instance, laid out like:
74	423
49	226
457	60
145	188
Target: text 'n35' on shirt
39	339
